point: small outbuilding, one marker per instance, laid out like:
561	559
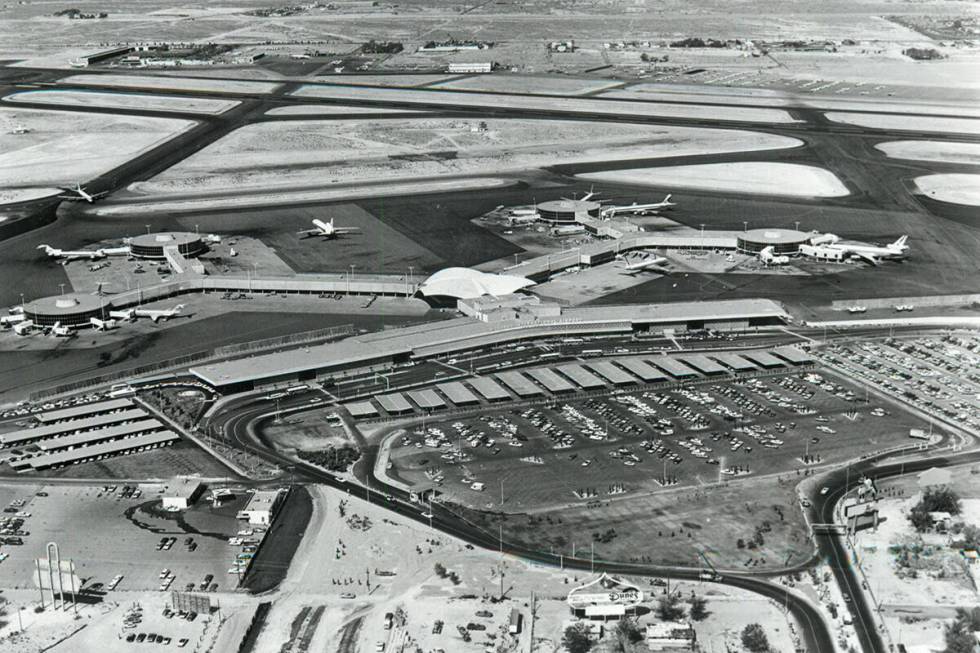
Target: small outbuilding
181	492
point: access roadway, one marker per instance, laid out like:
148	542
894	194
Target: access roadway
241	423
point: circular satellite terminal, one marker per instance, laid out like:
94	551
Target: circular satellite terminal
783	241
153	245
72	309
568	210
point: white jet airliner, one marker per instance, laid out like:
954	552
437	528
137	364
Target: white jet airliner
327	229
640	209
873	254
633	265
80	194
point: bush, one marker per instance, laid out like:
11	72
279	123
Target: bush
935	499
754	639
335	459
669	608
576	639
699	611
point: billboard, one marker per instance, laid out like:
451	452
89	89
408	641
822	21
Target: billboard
862	521
67	580
605	590
188	602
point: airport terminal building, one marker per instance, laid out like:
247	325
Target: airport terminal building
69	310
393	346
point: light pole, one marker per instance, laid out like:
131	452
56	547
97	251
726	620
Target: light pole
702	236
350	277
745	225
147	229
797	222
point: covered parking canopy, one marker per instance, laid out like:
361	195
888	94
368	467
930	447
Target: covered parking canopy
734	362
360	409
611	373
394	403
489	389
427	399
554	383
648	373
794	355
703	364
581	376
520	384
764	359
458	393
673	368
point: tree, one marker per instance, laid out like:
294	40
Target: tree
440	570
934	499
628	631
576	639
699	610
668	608
754	638
959	634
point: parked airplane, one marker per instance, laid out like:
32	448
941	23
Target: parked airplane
327	229
643	263
857	309
901	308
91	254
130	314
80	194
640	209
873	254
768	257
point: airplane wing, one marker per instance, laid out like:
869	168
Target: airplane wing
866	257
346	230
309	232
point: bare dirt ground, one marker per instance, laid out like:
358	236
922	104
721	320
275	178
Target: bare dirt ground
329	109
308	151
522	84
945	151
787	179
124	101
612	107
350	541
174	83
64	148
954	188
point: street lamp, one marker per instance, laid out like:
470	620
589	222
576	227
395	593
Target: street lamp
745	225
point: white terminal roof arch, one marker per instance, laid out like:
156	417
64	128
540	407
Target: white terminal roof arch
465	283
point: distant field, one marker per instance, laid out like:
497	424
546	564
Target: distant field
50	151
954	188
944	151
123	101
306	152
174	83
911	123
531	85
790	179
583	105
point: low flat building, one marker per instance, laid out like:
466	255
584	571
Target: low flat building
261	507
604	598
181	492
670	636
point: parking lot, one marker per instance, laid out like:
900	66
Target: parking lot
937	374
119	539
639	440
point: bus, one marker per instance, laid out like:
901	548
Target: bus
297	388
592	352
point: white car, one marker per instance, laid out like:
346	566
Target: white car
824	490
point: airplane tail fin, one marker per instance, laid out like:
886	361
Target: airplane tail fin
178	308
900	242
667	199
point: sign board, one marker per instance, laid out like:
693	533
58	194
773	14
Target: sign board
605	591
188	602
863	521
859	508
64	582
